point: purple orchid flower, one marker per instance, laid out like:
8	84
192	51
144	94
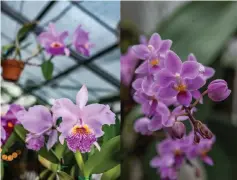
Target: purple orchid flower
53	41
141	126
146	94
81	41
205	72
8	121
165	166
201	149
40	123
178	79
81	125
154	53
128	63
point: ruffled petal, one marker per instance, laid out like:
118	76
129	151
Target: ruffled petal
96	115
173	63
82	97
66	109
36	120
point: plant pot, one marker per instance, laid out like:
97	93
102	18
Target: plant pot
11	69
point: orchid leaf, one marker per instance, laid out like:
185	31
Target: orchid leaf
10	142
21	132
105	159
64	176
49	155
25	29
47	69
112	174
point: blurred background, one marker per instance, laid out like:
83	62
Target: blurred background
100	72
209	30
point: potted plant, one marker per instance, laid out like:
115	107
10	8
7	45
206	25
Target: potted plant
50	42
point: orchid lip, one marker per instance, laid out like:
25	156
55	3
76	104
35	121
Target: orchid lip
56	45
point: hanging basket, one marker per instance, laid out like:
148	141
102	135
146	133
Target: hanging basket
11	69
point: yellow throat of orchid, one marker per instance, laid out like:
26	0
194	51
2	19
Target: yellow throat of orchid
84	129
154	62
56	45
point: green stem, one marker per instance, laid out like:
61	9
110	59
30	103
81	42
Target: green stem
81	164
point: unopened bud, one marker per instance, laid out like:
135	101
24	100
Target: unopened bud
196	138
178	130
203	130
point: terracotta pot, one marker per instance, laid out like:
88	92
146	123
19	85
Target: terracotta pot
11	69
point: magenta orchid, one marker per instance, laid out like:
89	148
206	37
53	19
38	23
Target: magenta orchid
8	121
81	41
53	41
81	125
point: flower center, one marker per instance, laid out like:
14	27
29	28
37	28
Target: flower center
180	87
86	46
81	138
150	47
10	124
178	152
56	45
154	62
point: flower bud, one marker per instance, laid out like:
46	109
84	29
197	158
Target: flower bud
218	90
196	138
178	130
203	130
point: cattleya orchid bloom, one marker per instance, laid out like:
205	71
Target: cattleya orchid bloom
8	121
39	122
81	41
81	125
53	41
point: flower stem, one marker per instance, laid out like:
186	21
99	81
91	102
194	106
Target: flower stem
197	101
80	163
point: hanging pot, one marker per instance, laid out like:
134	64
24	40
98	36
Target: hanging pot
11	69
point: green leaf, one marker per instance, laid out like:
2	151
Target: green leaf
111	131
10	141
203	34
21	132
49	155
60	149
7	47
64	176
112	174
25	29
47	69
105	159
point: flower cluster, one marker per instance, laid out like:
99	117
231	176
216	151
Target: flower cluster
54	42
80	127
166	87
